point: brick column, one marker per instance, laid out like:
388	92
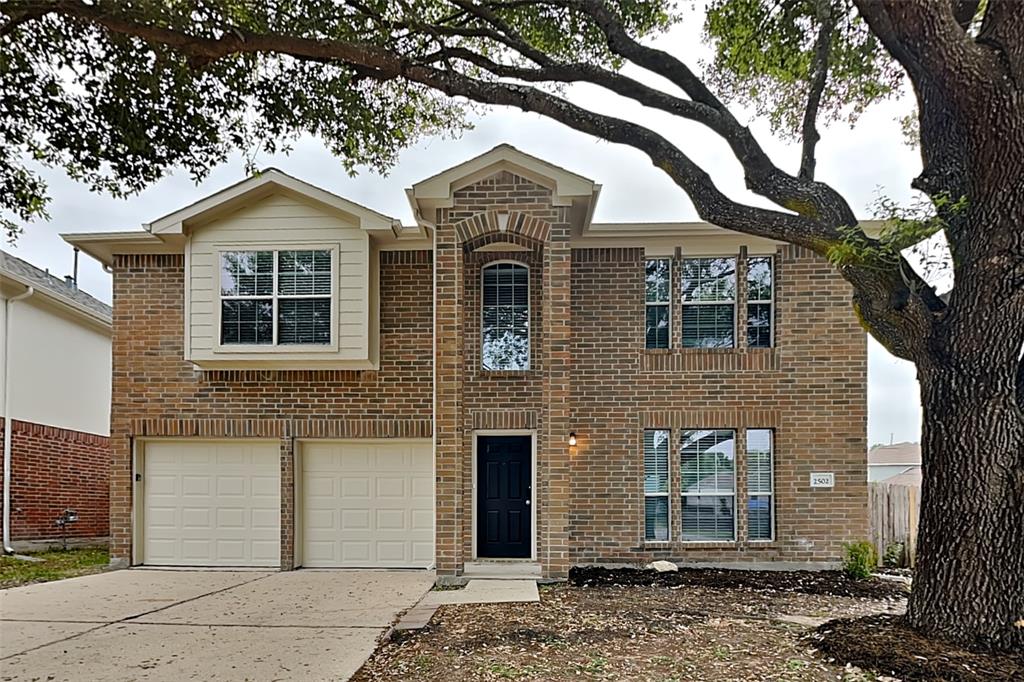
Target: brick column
122	486
288	455
554	458
448	368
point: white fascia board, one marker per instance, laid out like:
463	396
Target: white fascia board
259	186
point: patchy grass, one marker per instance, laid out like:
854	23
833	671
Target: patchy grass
655	633
55	565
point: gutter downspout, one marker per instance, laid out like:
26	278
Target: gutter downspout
7	416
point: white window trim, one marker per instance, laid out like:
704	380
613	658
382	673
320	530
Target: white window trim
667	494
770	301
666	302
735	511
733	302
771	481
529	315
274	348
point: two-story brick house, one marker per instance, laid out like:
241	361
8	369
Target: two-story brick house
302	381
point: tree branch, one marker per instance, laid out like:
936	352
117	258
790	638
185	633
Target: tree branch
372	62
882	297
926	39
1002	29
761	174
809	129
964	11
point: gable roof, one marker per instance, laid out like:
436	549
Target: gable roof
898	453
262	184
62	291
564	184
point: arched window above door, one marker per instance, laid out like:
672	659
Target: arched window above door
505	317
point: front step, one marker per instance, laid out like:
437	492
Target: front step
501	570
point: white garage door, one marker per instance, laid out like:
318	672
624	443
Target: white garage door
211	503
367	504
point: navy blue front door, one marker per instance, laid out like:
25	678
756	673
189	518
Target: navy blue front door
503	497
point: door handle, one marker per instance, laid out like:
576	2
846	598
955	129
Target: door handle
527	503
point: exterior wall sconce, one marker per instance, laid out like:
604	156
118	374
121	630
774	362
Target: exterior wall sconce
572	439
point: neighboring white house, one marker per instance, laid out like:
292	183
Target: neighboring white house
55	379
886	461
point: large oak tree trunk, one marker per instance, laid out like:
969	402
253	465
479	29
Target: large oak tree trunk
969	578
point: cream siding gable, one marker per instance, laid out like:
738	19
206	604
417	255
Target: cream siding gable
282	222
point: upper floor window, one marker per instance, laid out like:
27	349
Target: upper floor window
658	280
709	302
759	302
275	297
505	317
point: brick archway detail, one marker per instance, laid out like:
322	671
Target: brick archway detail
487	224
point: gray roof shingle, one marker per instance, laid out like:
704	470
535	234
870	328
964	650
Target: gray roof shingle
44	281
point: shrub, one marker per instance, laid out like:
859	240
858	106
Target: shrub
861	559
893	557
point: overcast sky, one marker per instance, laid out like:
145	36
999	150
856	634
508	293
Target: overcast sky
858	162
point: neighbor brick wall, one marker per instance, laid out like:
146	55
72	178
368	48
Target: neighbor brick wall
54	469
156	393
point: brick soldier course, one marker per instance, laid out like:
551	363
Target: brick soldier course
589	373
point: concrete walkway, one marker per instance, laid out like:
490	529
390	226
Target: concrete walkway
201	625
486	592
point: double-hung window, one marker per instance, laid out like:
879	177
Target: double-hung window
658	280
275	297
760	497
656	444
505	317
759	302
708	479
709	302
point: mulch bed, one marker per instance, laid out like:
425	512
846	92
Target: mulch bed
833	583
644	633
885	644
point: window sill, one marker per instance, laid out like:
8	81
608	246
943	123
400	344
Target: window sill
710	359
500	373
270	349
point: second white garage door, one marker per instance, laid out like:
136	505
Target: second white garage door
367	504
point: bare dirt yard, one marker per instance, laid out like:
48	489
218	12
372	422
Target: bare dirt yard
685	626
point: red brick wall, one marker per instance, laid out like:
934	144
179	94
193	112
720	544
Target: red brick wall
589	374
474	399
54	469
811	389
157	393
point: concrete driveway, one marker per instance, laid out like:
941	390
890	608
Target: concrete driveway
201	625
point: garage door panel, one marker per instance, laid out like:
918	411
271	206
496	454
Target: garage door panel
382	496
391	486
354	487
211	503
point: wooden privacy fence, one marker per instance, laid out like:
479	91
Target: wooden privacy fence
893	513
